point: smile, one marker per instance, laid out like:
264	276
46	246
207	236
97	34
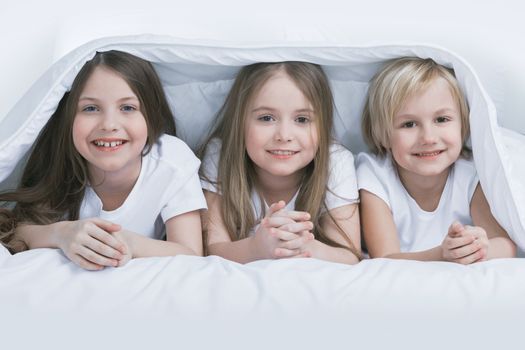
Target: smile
282	152
428	154
108	143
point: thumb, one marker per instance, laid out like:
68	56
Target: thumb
107	226
275	207
455	228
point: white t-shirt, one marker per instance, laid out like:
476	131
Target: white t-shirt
168	185
419	229
342	183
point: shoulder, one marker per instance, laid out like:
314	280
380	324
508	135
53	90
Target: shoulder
171	157
466	175
213	148
339	152
173	152
371	162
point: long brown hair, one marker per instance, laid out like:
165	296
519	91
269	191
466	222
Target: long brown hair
55	177
236	173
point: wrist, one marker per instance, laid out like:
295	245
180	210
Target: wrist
58	234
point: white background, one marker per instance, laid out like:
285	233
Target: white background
488	34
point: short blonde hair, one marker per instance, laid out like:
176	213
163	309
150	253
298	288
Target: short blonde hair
392	86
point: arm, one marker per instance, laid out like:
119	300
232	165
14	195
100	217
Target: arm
183	236
347	218
380	234
218	240
499	244
88	243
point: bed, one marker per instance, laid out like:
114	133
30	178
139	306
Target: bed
185	301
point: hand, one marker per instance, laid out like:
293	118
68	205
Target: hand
465	244
90	244
282	233
126	239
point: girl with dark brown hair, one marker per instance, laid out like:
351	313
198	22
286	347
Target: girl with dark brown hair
105	178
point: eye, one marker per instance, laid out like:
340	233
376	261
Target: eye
408	125
128	108
90	108
442	119
302	119
266	118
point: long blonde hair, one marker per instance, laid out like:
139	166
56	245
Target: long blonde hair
392	86
236	174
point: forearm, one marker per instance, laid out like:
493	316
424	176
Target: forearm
41	236
142	247
501	247
433	254
241	251
320	250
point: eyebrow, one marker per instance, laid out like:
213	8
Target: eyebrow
88	98
263	108
439	111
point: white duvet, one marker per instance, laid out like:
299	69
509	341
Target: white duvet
196	77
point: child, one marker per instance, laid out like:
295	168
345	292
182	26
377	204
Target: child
420	194
272	145
103	168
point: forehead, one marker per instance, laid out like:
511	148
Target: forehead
280	90
105	82
436	94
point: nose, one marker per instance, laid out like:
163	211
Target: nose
428	134
283	132
109	121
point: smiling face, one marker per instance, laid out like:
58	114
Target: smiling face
280	131
426	137
109	130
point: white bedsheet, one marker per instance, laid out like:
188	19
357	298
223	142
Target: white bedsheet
211	293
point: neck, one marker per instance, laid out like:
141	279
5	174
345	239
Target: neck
114	187
275	188
425	190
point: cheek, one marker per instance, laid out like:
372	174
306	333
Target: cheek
78	132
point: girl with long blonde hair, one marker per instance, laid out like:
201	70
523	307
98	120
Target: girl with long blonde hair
275	184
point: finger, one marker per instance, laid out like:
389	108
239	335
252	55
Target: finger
107	239
275	207
103	249
293	214
282	234
459	241
107	226
296	243
297	227
472	258
276	221
464	251
96	258
85	264
285	253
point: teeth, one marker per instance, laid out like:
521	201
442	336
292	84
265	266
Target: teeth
428	154
282	153
107	144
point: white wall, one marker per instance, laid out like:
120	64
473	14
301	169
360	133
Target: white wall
488	34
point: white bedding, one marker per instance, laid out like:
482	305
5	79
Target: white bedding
196	76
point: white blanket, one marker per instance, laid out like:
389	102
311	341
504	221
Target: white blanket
320	297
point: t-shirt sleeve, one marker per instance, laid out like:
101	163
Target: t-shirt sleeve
184	194
210	166
372	175
342	183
